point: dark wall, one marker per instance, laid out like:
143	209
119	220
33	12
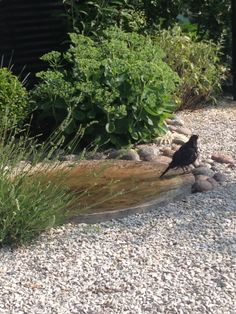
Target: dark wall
28	29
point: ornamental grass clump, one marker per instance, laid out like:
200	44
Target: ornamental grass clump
29	204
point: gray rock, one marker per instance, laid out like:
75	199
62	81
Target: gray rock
213	182
203	171
202	186
70	157
201	177
123	154
219	177
147	153
95	156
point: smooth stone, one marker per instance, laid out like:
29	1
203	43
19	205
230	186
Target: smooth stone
213	182
202	186
179	139
147	153
209	161
223	158
203	171
175	121
167	152
196	163
95	156
129	154
219	177
184	131
204	164
70	157
172	128
201	177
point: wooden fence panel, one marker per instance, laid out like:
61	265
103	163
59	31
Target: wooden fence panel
28	29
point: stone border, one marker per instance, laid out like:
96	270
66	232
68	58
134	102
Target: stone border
183	190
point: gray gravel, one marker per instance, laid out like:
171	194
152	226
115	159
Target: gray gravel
180	258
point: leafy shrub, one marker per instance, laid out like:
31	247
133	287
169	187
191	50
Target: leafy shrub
13	99
92	17
118	89
196	62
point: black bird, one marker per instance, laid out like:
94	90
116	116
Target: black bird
184	156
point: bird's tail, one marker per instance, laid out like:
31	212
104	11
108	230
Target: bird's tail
167	169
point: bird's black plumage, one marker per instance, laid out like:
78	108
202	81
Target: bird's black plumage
185	155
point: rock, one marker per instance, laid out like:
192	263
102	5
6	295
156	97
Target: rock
219	177
203	171
213	182
184	131
123	154
147	153
150	158
196	163
95	156
70	157
163	159
209	161
202	186
172	128
203	164
175	147
174	121
167	152
179	139
201	177
223	158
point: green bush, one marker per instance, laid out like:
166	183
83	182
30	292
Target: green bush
13	99
196	62
118	89
92	17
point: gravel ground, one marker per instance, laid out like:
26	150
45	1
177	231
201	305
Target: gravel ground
180	258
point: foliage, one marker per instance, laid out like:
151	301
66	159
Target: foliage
118	89
213	18
92	17
28	204
13	98
196	62
210	19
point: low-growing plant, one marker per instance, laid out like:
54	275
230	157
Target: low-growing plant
118	89
28	205
196	62
14	98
